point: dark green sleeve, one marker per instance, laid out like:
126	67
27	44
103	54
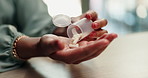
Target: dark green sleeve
8	34
33	18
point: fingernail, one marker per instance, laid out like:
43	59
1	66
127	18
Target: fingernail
105	21
94	25
115	35
88	16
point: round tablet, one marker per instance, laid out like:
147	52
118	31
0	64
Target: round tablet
61	20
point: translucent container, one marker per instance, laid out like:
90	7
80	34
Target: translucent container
82	27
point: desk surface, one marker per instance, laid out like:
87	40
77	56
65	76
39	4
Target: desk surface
125	57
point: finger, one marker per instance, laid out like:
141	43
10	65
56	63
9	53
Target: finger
88	39
72	55
99	23
90	42
51	43
55	45
96	34
103	36
83	43
87	15
91	15
111	36
107	36
89	50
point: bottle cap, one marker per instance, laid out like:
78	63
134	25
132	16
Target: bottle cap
61	20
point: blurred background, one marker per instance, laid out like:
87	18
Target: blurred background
124	16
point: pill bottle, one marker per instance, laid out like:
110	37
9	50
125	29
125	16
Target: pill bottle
82	26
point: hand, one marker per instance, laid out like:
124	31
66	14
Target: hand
57	48
96	25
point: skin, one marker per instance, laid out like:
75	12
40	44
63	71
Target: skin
56	46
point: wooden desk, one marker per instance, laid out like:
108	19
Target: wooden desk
125	57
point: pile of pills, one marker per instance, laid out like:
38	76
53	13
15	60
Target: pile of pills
75	39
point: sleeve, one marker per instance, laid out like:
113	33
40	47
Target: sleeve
8	34
33	18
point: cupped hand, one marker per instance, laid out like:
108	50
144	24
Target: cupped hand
86	51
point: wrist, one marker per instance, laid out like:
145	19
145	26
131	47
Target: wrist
14	52
26	47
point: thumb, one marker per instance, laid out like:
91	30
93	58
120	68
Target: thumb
54	45
50	44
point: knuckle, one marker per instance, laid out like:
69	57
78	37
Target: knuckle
93	13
